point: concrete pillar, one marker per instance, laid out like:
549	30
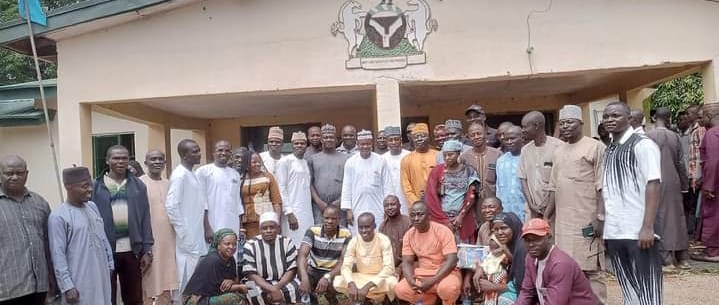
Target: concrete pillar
74	134
710	80
387	103
158	137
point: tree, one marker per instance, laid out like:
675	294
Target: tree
679	93
17	68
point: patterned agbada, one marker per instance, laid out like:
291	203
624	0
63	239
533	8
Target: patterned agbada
271	262
374	263
162	275
81	254
453	194
695	141
260	194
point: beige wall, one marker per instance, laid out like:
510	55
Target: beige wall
229	46
105	124
32	144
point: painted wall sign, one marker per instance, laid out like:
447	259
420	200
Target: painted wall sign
386	36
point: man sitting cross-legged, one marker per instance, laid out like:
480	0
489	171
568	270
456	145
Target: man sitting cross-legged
372	257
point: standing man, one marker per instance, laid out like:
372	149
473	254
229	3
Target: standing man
238	156
535	163
631	188
26	276
160	280
709	232
274	149
670	222
575	197
636	119
349	140
314	134
293	177
429	261
185	208
439	135
81	254
394	159
453	129
122	201
509	187
694	169
327	170
366	182
380	144
221	186
475	113
417	165
483	159
409	145
320	257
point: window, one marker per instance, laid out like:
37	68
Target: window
100	144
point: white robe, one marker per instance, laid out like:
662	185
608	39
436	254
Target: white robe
185	209
223	203
293	178
394	164
269	162
365	185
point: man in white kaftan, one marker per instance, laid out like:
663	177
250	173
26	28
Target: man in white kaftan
221	185
185	209
393	157
366	182
293	177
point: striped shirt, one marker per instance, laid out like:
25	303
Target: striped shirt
269	261
23	245
325	251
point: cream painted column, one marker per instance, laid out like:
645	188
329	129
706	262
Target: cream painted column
710	80
74	134
387	103
156	138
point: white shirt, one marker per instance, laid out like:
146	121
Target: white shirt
223	203
269	162
365	185
625	205
293	179
394	164
185	208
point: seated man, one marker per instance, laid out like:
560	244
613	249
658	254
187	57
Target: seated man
270	262
372	256
549	273
432	246
321	256
394	226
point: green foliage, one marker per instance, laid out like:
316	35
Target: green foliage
679	93
16	68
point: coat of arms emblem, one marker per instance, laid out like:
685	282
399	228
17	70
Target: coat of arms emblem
387	35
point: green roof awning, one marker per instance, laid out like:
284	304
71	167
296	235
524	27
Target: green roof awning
21	113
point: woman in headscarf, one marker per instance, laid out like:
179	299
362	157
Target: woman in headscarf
260	194
215	280
508	230
452	191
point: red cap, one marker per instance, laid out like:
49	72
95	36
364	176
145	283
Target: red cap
536	226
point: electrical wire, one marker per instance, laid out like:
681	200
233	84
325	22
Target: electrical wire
530	49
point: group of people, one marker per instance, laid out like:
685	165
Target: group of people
376	218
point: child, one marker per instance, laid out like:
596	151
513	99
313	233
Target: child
493	269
